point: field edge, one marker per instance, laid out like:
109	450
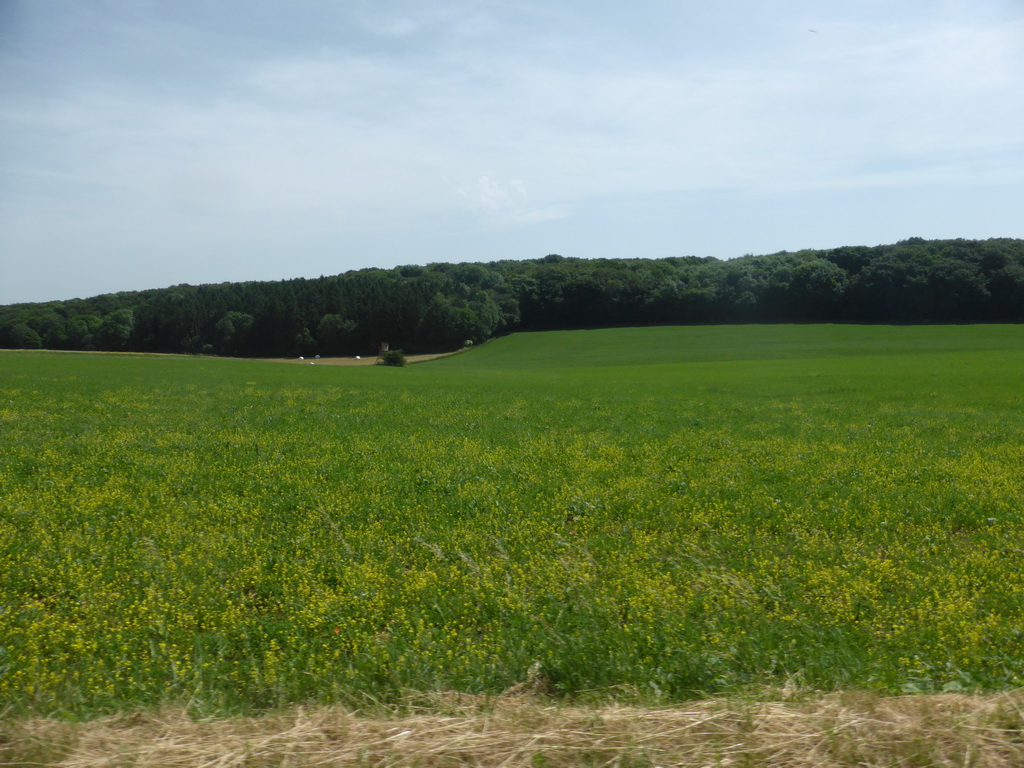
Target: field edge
839	729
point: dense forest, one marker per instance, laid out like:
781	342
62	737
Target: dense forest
441	306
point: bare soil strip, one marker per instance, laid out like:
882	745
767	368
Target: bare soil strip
825	732
371	360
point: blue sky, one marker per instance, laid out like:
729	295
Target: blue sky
145	143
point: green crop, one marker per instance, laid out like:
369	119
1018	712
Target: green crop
663	512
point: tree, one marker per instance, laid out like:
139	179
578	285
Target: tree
337	334
232	332
441	305
304	342
53	330
956	290
24	337
81	331
1007	290
116	329
818	287
438	322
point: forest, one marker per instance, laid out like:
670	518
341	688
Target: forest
442	306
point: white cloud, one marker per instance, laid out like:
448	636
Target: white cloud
464	119
499	205
825	112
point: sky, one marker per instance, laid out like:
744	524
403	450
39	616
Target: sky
147	143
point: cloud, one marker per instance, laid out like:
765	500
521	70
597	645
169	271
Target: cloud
499	205
434	23
460	119
370	130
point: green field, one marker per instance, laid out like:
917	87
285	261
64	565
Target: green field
653	514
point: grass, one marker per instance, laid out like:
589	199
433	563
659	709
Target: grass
836	731
645	516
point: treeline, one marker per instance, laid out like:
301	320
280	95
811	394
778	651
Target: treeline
441	306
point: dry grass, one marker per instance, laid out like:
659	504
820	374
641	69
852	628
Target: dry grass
370	360
836	730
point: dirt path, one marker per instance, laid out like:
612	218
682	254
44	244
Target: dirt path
367	360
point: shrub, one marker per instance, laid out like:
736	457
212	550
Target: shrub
393	357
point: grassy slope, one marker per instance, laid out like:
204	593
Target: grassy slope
689	344
936	368
680	510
